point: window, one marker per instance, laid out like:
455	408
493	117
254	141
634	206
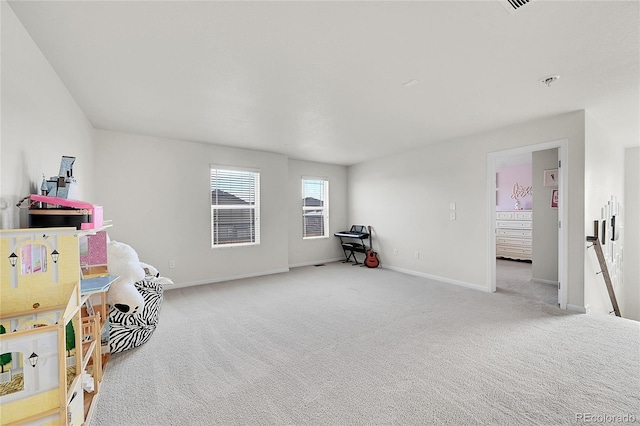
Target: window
315	208
235	207
33	259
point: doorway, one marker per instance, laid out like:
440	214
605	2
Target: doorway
515	278
517	269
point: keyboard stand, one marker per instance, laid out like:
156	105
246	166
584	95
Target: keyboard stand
349	247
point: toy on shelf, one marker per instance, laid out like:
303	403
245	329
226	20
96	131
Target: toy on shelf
64	185
91	215
41	302
62	212
57	204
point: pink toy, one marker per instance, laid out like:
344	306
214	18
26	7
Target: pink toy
95	211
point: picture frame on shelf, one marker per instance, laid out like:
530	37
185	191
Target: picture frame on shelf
554	199
550	177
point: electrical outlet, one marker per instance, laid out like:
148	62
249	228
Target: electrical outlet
452	206
452	215
172	264
417	254
395	251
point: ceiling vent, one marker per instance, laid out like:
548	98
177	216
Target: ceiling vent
514	5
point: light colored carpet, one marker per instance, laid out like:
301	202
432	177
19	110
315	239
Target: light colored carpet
342	345
514	277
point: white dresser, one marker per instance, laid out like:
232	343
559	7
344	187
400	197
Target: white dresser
514	234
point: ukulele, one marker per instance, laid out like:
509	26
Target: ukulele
372	257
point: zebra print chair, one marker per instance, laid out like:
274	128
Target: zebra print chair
130	331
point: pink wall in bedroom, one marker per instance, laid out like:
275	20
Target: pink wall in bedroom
506	179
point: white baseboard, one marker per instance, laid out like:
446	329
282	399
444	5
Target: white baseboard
437	278
316	262
231	278
576	308
540	280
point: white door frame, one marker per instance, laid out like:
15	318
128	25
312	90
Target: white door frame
563	211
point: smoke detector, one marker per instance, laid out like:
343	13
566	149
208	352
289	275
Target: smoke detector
550	79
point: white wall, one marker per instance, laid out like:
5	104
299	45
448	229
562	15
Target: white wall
545	219
41	122
407	199
145	184
157	192
630	292
604	178
147	187
312	251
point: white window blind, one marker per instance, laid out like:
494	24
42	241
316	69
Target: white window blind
235	207
315	208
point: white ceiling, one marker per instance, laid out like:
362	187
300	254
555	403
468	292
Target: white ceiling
323	81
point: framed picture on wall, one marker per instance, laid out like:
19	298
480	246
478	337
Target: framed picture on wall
554	199
550	177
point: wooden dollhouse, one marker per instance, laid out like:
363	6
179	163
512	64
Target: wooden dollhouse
51	370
